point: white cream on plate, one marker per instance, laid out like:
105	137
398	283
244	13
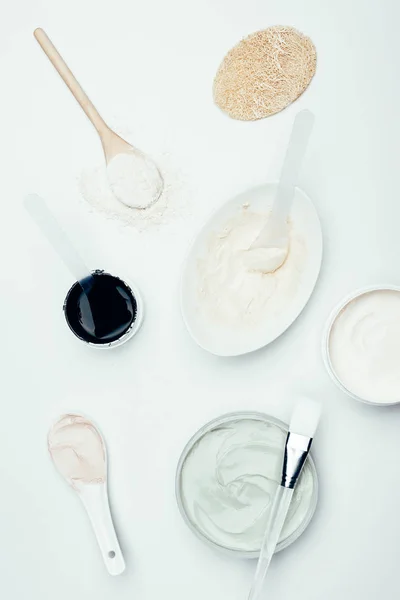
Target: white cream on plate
364	346
232	289
229	479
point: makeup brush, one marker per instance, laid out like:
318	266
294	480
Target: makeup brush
303	424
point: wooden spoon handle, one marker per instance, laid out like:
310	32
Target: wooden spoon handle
66	74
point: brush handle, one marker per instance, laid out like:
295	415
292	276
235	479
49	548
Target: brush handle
276	521
69	79
95	500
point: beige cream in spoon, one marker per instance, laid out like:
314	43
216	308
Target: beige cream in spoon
79	454
133	176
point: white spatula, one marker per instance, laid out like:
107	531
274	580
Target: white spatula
269	250
38	210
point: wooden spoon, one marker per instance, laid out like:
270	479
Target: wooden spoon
113	144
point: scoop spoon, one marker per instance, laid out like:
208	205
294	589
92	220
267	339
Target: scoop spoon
79	454
269	250
135	178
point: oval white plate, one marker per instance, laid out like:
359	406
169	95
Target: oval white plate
221	339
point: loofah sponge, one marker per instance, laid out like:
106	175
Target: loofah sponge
264	73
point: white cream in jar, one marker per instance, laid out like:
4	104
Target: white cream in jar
228	479
364	346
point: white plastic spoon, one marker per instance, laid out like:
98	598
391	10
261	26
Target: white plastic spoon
95	500
269	250
77	449
134	177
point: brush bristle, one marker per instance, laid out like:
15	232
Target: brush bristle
305	417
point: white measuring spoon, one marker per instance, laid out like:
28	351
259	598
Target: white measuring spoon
94	495
148	181
269	250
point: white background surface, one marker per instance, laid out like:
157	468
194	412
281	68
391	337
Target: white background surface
149	66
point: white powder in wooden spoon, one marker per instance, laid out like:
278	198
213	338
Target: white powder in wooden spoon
265	73
173	203
135	179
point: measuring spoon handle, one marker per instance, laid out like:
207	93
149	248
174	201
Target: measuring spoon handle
69	79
